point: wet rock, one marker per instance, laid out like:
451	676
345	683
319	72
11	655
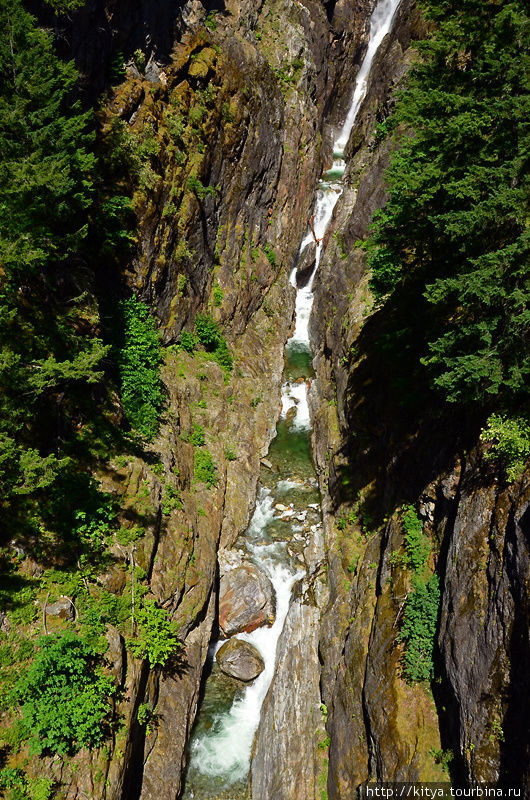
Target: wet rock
246	600
240	660
306	264
62	608
286	754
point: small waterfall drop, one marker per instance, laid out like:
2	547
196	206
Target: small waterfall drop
221	745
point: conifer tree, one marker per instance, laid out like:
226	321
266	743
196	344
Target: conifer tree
455	230
47	320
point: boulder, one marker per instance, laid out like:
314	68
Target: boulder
62	608
246	600
240	660
306	264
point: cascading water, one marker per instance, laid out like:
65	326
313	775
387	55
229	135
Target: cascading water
220	749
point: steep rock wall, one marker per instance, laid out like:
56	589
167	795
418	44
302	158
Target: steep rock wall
373	455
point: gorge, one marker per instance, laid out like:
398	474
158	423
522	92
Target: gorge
225	418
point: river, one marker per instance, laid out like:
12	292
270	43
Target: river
287	507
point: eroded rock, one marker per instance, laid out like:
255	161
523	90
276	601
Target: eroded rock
246	600
240	659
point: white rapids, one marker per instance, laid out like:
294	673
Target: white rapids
294	395
224	751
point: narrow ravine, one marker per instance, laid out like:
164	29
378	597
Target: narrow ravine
287	513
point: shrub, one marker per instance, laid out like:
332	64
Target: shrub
419	628
188	341
197	438
213	341
417	545
64	697
208	333
205	469
510	443
139	363
156	636
271	255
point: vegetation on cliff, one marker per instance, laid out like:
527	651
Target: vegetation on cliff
453	240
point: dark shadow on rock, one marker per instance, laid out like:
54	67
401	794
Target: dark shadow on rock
177	664
402	432
515	746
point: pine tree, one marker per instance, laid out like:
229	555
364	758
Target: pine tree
47	319
455	232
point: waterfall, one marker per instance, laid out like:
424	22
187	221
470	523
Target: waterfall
220	750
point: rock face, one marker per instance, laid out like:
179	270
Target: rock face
240	660
287	762
379	726
246	600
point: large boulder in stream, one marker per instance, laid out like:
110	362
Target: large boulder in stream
240	660
246	600
306	264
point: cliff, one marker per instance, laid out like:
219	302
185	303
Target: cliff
215	122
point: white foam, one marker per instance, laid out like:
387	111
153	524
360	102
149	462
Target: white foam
225	749
294	395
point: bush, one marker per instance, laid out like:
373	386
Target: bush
419	628
139	362
208	333
64	697
205	469
417	545
197	438
510	443
188	341
156	637
213	341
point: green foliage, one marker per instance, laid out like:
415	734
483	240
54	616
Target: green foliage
65	6
271	255
156	636
419	628
139	360
213	341
140	60
45	193
210	21
205	470
207	331
442	757
171	499
417	545
218	295
117	68
452	245
197	437
64	697
94	528
509	440
143	715
230	454
188	341
195	185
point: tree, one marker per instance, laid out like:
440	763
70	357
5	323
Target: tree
455	229
48	316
